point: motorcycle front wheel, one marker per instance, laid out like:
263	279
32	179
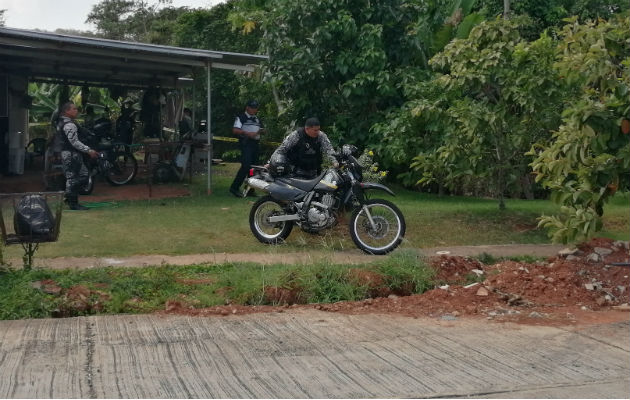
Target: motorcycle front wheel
265	231
386	232
123	170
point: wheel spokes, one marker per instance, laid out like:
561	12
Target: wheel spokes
268	229
386	229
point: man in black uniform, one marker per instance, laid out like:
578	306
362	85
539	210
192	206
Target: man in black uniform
304	149
248	128
67	141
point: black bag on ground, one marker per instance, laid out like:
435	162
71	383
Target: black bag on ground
33	216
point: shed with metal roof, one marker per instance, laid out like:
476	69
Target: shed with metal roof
33	56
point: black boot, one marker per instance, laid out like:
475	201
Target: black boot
73	203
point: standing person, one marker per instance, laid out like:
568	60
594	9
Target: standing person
125	122
304	149
90	117
248	128
67	140
186	123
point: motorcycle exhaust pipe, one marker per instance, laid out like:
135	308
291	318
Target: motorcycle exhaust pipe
282	218
257	183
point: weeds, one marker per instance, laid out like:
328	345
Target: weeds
47	293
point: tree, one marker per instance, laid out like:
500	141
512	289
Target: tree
550	13
2	17
75	32
498	94
588	157
210	29
135	20
346	61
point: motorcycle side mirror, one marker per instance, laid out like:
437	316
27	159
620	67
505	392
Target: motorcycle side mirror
348	149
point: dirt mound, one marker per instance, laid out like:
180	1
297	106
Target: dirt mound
454	270
580	280
564	288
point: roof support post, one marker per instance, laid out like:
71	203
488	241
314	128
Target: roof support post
209	126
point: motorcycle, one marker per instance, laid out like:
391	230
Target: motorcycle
376	226
115	161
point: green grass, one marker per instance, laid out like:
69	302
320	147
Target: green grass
219	223
141	290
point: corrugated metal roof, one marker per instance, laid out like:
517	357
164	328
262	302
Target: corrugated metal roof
94	61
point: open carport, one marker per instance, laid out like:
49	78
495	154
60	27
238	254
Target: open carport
31	56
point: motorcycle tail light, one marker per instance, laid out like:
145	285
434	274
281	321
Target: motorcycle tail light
251	172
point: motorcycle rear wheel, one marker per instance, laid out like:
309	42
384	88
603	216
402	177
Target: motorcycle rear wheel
389	227
265	231
124	168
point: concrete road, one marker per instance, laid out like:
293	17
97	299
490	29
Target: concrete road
308	353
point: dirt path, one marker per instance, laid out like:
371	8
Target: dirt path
341	257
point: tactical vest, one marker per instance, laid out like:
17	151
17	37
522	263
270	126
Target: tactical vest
307	153
62	139
249	124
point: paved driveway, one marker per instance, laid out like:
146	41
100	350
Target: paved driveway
308	353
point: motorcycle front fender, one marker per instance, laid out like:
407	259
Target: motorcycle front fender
376	186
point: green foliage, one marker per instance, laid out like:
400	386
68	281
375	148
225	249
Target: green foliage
136	20
48	96
327	283
588	157
498	94
231	156
406	271
134	290
371	172
550	13
211	30
348	61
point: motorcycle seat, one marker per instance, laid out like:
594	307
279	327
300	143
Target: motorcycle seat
303	184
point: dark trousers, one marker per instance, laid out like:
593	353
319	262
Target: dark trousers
75	171
249	156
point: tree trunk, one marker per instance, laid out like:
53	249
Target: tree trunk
506	9
527	186
276	98
501	187
274	90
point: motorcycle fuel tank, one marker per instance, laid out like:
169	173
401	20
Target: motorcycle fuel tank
283	191
328	182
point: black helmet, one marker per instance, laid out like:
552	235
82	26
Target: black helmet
279	165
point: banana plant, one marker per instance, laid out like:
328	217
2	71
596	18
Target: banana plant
46	97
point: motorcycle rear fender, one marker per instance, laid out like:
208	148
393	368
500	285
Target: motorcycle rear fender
376	186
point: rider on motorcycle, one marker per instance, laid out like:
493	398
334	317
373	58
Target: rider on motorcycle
303	150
